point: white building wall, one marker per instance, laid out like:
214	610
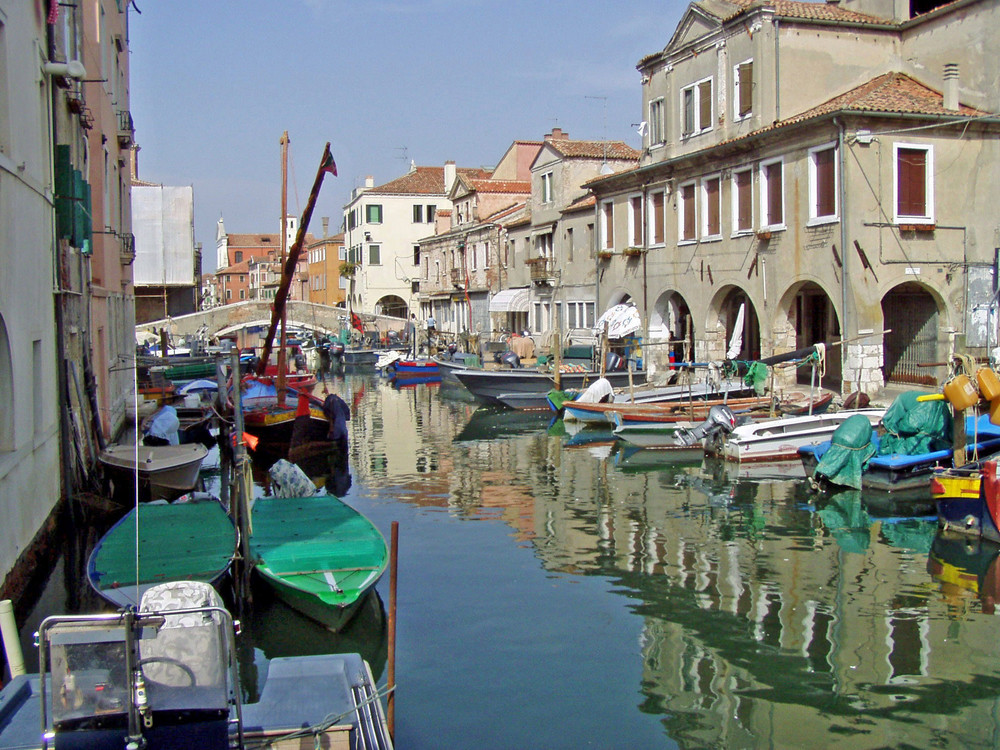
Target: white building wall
163	224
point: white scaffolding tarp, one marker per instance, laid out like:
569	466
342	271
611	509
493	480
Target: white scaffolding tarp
163	225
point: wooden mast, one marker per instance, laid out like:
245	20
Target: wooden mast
282	353
325	165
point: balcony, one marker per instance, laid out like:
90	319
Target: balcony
127	248
126	129
542	270
458	278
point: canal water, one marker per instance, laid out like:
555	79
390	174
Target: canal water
555	591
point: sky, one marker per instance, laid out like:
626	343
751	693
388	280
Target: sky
386	82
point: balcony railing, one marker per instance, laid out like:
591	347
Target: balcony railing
542	270
127	248
458	277
126	128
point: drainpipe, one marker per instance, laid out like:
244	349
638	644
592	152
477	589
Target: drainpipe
842	197
777	68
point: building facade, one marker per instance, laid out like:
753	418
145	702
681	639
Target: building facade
855	211
326	255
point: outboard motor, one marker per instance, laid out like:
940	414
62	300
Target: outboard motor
721	422
510	359
613	361
452	349
336	349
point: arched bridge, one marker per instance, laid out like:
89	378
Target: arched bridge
239	317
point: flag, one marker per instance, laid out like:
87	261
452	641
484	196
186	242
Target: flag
53	12
356	322
329	165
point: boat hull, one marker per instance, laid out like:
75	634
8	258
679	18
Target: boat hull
164	471
780	439
531	387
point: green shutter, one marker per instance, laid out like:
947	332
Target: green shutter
64	193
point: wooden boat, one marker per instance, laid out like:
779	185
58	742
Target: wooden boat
178	653
687	412
674	395
425	369
183	541
266	419
909	477
974	515
318	555
780	439
449	365
528	389
164	471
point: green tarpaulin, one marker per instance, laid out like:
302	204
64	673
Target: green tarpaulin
850	449
913	427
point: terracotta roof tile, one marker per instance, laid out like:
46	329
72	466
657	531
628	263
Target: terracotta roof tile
817	11
424	181
593	149
581	204
501	186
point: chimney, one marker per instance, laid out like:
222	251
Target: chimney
557	135
449	175
369	181
326	225
951	86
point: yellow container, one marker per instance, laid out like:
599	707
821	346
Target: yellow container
995	411
961	392
989	383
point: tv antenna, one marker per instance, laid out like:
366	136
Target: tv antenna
404	153
605	169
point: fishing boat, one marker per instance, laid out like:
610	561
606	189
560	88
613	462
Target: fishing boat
166	676
595	410
973	515
905	477
780	439
183	541
691	412
164	471
528	389
266	418
423	369
455	362
317	554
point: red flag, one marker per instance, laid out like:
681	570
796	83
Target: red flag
356	322
329	165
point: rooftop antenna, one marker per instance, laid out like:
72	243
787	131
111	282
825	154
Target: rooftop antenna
404	153
605	167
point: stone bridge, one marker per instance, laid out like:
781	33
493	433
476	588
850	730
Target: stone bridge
247	321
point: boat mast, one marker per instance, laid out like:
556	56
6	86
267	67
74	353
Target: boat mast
282	354
326	165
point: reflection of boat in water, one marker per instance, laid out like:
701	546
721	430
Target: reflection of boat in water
956	561
849	516
496	423
630	458
528	389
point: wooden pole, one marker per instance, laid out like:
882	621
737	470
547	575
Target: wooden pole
293	258
958	439
282	354
391	658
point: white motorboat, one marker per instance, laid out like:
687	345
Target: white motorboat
164	471
780	439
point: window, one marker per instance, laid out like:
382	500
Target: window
431	213
580	315
243	293
373	213
569	244
743	201
743	90
635	221
543	245
374	255
711	207
687	213
823	183
239	256
656	134
656	218
416	255
696	108
608	225
229	294
914	166
772	202
418	214
547	187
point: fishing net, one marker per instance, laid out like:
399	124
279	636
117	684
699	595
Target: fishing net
850	450
913	427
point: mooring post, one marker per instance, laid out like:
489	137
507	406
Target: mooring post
391	658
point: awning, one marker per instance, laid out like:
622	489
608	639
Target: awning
510	300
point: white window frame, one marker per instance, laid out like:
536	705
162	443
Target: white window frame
607	225
633	200
657	133
651	216
547	194
928	217
699	127
765	218
814	218
705	235
737	87
734	189
681	213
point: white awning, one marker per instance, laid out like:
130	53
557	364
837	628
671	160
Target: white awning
510	300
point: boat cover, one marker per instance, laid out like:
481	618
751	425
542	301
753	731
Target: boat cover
597	392
288	480
913	427
850	450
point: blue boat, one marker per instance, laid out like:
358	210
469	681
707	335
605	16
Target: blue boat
166	676
906	478
978	515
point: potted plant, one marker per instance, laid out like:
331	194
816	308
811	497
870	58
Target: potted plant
604	254
632	252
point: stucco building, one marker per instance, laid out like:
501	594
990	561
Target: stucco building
832	169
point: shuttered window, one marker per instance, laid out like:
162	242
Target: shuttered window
608	225
696	108
823	183
711	195
635	229
687	233
772	198
656	218
744	89
911	182
743	200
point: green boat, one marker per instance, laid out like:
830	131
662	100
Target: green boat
318	554
191	541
